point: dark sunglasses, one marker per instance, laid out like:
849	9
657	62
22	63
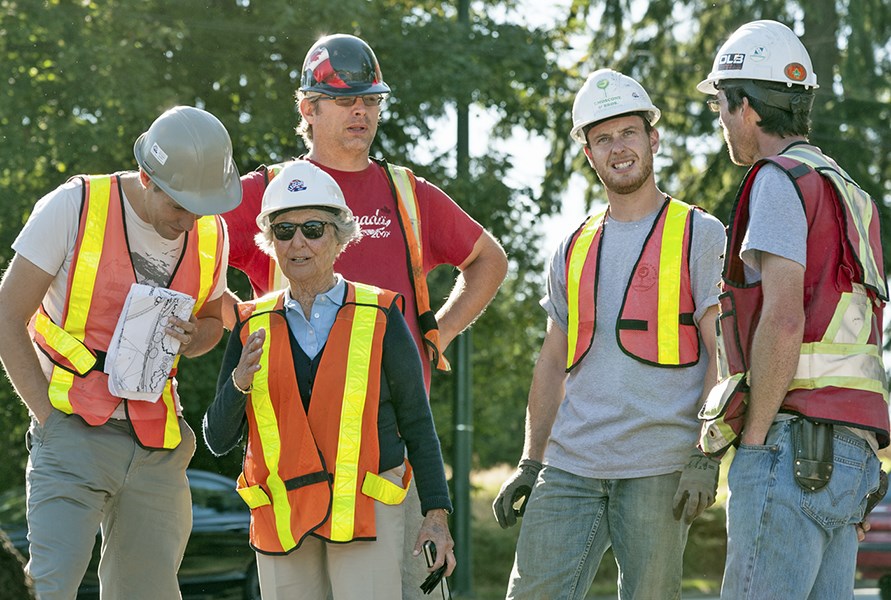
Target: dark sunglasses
311	230
347	101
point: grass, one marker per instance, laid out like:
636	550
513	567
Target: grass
493	547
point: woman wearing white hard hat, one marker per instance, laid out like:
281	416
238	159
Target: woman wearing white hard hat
326	378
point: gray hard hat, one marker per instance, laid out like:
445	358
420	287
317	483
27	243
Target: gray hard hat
188	154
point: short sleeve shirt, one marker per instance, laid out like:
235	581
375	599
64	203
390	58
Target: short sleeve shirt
777	222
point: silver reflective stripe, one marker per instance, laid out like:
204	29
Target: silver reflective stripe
849	366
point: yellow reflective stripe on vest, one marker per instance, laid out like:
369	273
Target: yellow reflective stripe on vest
849	366
573	279
383	490
859	210
60	382
267	428
83	281
402	181
65	344
172	435
346	474
207	258
669	304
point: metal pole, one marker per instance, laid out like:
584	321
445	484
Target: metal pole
462	578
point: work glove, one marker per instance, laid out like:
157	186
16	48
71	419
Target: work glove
518	486
697	488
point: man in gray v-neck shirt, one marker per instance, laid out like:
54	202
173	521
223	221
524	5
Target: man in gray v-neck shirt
612	411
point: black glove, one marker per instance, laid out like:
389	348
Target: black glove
518	486
697	488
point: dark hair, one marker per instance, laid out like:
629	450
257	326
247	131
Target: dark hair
642	114
784	110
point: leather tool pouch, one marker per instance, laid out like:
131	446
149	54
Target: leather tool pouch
813	457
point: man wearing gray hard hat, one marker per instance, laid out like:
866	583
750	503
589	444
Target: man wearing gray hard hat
109	449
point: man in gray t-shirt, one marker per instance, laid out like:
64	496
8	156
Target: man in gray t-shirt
631	303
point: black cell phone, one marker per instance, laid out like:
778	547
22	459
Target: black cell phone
437	589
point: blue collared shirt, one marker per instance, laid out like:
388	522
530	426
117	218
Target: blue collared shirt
313	333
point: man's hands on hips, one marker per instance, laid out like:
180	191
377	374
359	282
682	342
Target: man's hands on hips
518	486
697	488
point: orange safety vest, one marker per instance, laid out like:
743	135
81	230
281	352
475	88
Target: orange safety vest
403	185
99	280
840	376
316	473
655	324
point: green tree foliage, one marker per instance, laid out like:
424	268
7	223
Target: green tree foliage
669	45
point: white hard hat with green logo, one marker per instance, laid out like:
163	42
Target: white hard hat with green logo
606	94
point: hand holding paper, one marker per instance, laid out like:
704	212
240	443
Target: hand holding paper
142	349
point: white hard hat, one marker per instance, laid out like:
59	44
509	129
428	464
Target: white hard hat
188	154
763	51
301	184
606	94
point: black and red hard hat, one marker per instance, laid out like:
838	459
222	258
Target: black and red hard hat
342	65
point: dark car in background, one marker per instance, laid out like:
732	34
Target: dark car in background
874	554
218	563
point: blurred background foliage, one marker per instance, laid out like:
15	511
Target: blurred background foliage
82	79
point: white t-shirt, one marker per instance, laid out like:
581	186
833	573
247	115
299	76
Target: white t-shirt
48	240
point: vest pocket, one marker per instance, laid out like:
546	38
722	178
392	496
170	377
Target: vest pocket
253	495
382	489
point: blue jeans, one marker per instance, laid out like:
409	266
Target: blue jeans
785	542
570	522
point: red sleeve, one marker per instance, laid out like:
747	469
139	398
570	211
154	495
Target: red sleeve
449	233
241	221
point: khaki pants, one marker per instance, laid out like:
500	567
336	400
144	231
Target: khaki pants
81	478
319	570
414	568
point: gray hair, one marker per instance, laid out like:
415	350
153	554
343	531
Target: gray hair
346	231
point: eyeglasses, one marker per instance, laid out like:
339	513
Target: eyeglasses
311	230
348	101
713	105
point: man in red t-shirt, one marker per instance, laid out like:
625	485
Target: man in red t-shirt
339	100
339	137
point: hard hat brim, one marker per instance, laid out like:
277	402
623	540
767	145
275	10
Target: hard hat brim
708	86
263	217
355	90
